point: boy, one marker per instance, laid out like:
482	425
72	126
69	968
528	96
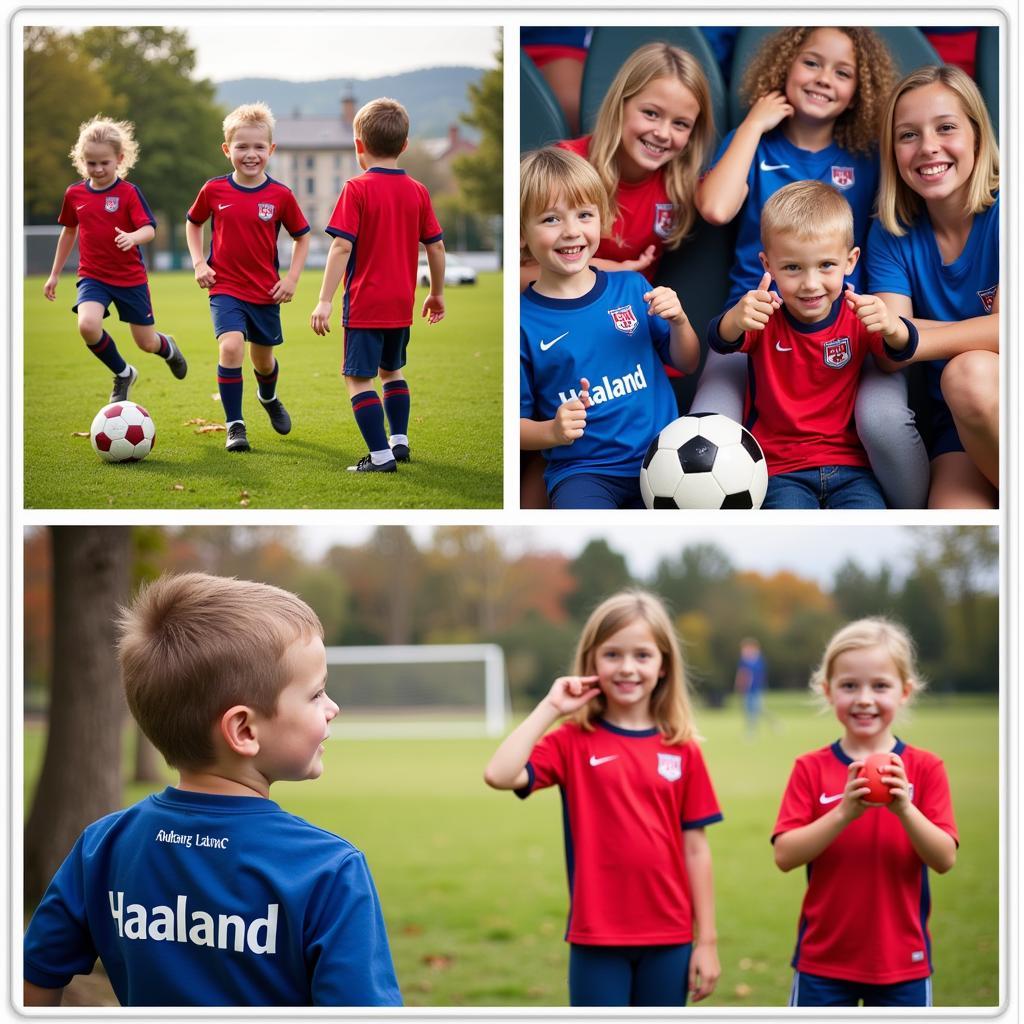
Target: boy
208	894
248	208
579	324
380	220
806	349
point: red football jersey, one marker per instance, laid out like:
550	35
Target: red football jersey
245	226
97	214
385	214
865	914
627	796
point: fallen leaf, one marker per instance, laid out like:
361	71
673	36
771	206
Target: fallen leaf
412	929
244	503
438	961
743	991
216	396
746	963
211	428
198	421
178	487
244	495
79	433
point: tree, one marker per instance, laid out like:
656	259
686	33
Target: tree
599	572
80	779
688	581
480	172
858	594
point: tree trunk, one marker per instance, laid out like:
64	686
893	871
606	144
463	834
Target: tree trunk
80	779
147	759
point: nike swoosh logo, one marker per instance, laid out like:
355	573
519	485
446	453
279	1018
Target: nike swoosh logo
595	761
779	347
829	799
773	167
545	345
224	206
82	207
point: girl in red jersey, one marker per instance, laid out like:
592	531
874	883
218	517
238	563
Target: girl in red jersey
110	219
863	933
637	798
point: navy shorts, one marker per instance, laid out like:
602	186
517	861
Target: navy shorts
133	304
369	350
259	323
814	990
941	435
592	490
629	975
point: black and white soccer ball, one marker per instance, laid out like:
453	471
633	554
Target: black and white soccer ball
704	461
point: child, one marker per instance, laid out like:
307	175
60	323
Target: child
806	351
110	219
869	940
617	330
816	97
934	255
248	209
208	894
380	220
632	778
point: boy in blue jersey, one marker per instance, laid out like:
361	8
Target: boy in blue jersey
592	389
208	894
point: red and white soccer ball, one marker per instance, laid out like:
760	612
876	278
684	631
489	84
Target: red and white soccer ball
122	432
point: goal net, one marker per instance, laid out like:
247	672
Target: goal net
418	690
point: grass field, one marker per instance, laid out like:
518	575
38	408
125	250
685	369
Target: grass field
473	881
454	372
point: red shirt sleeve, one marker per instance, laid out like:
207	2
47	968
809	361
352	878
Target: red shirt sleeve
199	212
345	219
934	801
430	229
292	217
67	216
138	213
700	805
797	807
548	760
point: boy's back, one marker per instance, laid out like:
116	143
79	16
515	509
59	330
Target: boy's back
196	899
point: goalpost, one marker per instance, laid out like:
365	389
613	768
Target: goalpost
419	690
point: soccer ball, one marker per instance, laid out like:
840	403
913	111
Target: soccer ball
122	432
704	461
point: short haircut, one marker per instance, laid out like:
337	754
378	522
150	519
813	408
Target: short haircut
382	125
898	204
105	131
549	173
806	210
249	115
193	645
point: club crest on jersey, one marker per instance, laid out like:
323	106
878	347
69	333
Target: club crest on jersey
663	219
265	211
837	353
988	297
624	319
670	766
111	203
842	177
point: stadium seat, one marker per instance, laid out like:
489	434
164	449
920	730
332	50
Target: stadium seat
541	120
986	70
908	46
609	48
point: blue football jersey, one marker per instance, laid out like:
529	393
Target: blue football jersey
608	337
191	899
778	162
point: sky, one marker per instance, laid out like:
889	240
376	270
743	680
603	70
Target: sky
301	52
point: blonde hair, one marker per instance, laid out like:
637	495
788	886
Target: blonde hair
382	125
670	699
249	115
807	210
119	135
875	631
549	173
898	204
856	128
656	60
193	645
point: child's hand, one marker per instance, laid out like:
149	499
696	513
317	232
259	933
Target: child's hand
769	111
206	276
853	804
124	240
570	693
895	777
642	262
571	417
704	971
284	290
872	312
50	288
665	303
756	307
433	308
320	318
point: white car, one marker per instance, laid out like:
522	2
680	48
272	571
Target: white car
454	273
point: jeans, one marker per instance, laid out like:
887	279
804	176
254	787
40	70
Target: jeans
824	487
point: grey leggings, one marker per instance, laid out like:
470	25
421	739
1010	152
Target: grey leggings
885	423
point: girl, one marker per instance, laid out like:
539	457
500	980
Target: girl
632	777
934	254
866	941
817	96
110	218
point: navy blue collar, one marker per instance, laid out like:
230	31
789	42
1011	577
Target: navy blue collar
100	191
600	284
385	170
214	801
248	188
818	325
634	733
899	747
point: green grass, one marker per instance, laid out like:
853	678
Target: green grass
473	881
454	372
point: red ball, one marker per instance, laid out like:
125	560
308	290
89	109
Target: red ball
871	771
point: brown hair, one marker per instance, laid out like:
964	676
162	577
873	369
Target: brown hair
249	115
383	127
193	645
670	699
807	209
856	128
105	131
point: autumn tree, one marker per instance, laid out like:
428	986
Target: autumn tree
480	173
600	572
